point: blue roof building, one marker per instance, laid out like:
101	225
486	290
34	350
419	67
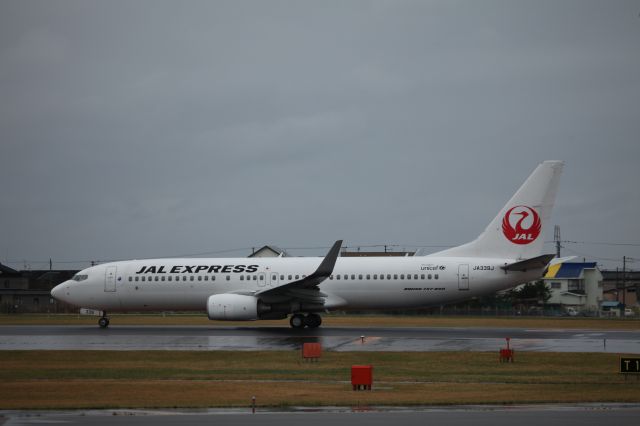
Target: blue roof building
575	284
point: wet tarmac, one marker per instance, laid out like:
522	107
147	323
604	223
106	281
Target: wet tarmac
332	338
551	415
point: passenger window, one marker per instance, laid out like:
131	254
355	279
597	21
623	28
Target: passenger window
395	276
156	278
142	278
206	277
436	276
346	276
130	278
360	276
402	276
169	278
298	277
368	276
199	278
191	278
213	278
281	277
375	276
408	276
241	277
415	276
330	277
338	277
228	278
290	277
162	278
382	276
429	276
274	278
255	277
136	278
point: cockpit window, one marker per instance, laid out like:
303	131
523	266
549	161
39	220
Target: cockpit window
80	277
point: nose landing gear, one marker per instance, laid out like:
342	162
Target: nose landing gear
103	322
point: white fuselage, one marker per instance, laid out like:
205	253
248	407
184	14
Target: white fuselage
356	282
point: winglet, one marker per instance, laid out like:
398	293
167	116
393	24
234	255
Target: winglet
323	272
326	267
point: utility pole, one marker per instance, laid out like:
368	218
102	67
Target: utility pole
617	284
556	238
624	281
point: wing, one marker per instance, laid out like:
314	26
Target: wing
305	290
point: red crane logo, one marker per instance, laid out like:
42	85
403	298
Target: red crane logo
527	227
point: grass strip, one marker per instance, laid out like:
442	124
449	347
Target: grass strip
152	379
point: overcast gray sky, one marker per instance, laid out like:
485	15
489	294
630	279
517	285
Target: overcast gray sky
133	129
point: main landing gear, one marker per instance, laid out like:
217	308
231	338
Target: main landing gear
103	322
302	321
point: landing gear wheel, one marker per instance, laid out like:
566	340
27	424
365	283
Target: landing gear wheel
297	321
103	322
313	320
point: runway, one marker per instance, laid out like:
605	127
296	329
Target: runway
118	337
585	415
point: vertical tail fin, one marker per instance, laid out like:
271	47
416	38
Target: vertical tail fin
517	231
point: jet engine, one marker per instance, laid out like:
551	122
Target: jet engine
232	307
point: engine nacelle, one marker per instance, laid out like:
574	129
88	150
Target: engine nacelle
232	307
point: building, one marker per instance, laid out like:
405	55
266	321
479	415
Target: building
30	291
622	287
575	285
612	308
269	251
345	253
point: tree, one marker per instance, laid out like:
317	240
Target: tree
532	292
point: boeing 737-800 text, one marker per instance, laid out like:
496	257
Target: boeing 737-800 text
507	253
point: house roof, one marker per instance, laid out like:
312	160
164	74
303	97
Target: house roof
5	270
568	269
269	251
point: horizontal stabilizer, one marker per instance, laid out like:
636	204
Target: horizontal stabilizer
539	262
559	260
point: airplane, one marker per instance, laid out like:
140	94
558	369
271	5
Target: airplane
507	253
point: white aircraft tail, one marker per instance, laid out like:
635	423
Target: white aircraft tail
517	231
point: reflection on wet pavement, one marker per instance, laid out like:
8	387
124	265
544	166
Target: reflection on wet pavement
336	339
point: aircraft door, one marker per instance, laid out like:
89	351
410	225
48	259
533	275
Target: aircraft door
110	278
463	277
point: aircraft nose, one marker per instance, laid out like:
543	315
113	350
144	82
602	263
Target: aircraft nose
58	291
